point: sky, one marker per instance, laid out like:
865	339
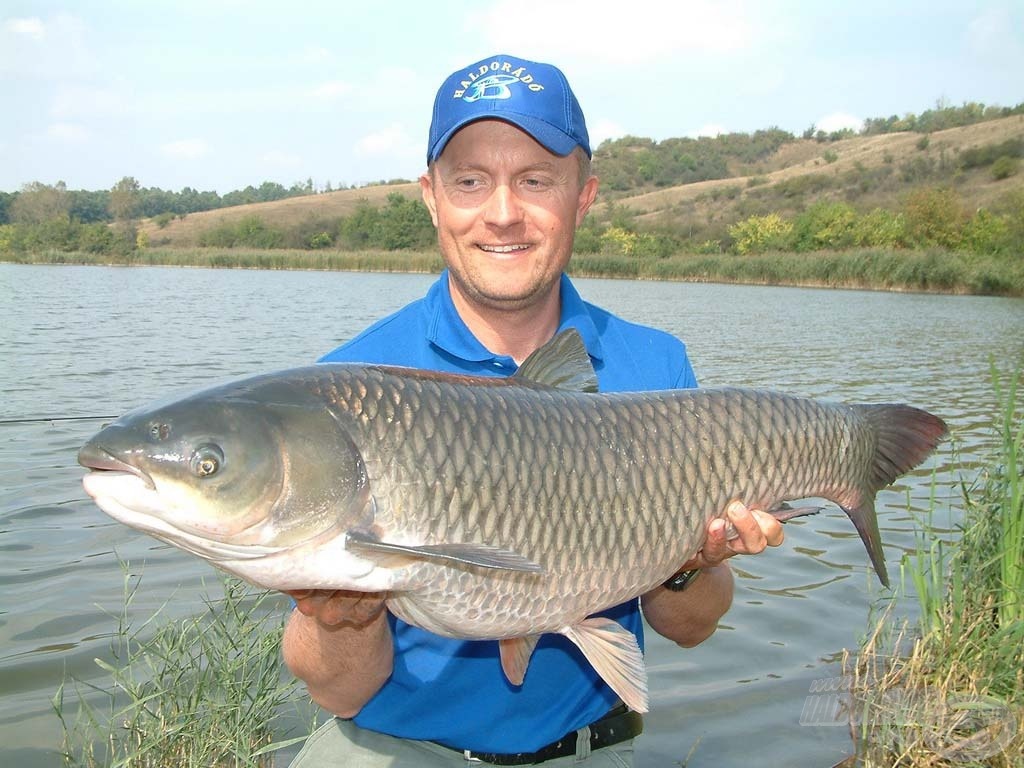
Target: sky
221	94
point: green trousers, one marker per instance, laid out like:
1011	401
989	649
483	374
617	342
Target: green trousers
342	744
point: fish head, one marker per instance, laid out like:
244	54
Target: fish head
231	473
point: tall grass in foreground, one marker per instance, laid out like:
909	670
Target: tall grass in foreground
950	692
200	691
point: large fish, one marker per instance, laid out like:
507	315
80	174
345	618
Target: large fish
487	508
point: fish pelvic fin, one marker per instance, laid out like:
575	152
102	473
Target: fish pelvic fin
615	655
481	555
562	363
904	437
515	656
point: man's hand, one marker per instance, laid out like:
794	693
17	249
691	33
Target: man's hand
339	643
754	532
333	608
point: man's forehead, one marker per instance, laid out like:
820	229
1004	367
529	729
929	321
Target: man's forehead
492	137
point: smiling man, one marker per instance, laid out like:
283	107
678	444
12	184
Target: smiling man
508	181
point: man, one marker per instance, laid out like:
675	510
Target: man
508	182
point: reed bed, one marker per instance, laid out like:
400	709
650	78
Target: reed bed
934	270
948	689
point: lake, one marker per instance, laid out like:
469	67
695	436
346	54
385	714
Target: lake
97	341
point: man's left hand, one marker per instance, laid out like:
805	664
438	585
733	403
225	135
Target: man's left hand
755	531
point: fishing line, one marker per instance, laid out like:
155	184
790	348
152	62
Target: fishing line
45	419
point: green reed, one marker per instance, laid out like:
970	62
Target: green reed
933	270
205	690
950	691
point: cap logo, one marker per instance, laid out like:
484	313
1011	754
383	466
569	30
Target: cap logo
490	87
491	81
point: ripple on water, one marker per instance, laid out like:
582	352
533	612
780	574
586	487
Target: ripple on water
98	341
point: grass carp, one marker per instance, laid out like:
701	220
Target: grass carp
487	508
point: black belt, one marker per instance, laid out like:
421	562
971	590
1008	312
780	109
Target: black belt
620	724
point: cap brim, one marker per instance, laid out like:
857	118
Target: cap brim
548	136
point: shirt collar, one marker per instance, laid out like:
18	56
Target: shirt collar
448	331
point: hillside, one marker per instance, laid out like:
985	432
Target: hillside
186	231
865	171
869	171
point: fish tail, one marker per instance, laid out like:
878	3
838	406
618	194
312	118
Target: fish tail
904	436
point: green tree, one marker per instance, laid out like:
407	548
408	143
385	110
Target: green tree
38	203
124	199
403	223
124	207
934	216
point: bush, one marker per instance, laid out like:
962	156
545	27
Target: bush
1004	167
987	233
758	234
880	228
933	216
825	225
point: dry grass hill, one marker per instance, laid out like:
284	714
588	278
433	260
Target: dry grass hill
869	171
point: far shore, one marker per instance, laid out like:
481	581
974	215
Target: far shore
925	271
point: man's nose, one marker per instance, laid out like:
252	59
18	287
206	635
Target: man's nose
503	207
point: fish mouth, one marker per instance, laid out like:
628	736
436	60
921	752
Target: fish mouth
97	459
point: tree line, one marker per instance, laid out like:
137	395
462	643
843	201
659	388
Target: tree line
37	201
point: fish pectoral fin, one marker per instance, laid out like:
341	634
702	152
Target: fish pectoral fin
515	656
615	655
481	555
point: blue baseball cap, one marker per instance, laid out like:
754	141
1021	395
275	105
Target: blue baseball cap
533	96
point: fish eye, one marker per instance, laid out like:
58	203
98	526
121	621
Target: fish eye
159	431
206	460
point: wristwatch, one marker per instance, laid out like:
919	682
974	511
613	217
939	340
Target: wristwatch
681	580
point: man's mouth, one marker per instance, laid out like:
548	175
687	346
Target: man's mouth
503	248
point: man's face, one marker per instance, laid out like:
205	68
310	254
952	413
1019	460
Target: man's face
506	210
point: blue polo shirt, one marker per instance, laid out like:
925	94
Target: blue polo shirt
452	691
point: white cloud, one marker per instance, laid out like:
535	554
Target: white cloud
280	160
603	129
392	140
67	133
647	30
186	149
838	121
330	91
66	50
315	56
77	100
995	36
31	28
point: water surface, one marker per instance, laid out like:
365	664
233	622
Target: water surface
97	341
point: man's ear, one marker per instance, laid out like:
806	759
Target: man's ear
587	196
427	192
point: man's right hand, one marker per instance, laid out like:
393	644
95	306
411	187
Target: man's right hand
339	643
332	608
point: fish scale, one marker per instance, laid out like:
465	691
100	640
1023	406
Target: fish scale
616	484
491	509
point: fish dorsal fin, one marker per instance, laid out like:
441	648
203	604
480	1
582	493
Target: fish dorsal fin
562	363
515	656
482	555
614	654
